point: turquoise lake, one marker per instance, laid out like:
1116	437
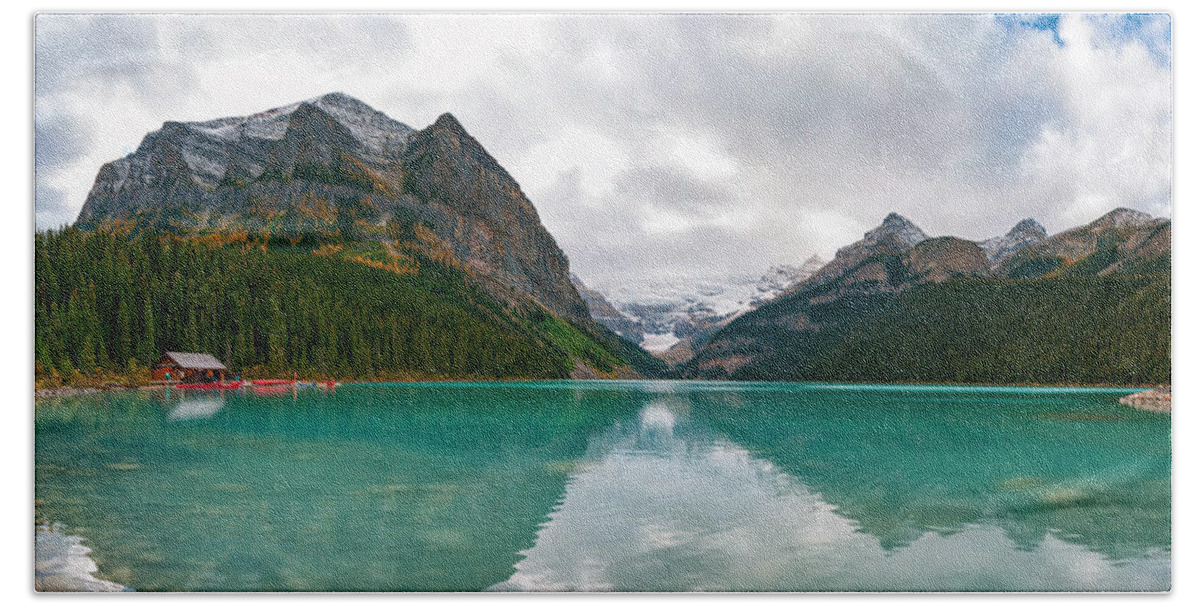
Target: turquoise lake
610	485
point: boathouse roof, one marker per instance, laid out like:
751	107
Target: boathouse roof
195	360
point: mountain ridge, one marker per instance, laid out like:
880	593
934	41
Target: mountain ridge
332	176
1025	233
1115	236
341	185
874	273
334	169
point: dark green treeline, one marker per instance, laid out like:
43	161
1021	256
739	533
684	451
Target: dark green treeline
107	300
1054	330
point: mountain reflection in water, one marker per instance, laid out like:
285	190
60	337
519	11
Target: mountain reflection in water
613	486
671	504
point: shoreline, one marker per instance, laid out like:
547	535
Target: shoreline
1153	392
61	563
68	391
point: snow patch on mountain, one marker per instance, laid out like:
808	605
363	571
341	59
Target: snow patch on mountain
676	311
1027	232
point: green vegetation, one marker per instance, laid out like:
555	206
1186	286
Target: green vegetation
1061	330
562	333
111	300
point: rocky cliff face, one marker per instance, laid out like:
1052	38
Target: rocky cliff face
491	224
1119	241
607	315
1027	232
869	265
946	257
333	167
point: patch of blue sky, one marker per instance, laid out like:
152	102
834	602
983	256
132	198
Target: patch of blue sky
1035	21
1152	30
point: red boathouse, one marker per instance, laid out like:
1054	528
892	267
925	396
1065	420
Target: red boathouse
189	367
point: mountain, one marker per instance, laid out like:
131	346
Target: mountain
607	315
334	169
1091	304
869	265
1122	240
451	249
865	269
780	278
667	318
207	166
1027	232
942	258
894	236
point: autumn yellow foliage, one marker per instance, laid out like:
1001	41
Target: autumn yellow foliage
435	248
327	249
402	264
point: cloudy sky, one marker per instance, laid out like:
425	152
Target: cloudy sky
671	148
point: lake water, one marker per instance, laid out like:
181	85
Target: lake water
606	486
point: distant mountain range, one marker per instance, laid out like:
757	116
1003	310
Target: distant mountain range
803	315
1109	281
667	322
327	185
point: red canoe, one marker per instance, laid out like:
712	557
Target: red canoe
272	382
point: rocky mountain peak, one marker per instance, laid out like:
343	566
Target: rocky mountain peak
898	226
861	265
1028	225
1120	239
449	122
202	155
1027	232
371	175
1120	218
338	99
450	165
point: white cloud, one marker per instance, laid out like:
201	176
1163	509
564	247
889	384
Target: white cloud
1111	144
663	146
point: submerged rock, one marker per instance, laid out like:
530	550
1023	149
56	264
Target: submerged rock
1154	400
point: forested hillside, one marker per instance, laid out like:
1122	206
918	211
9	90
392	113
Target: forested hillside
1089	305
113	299
1063	330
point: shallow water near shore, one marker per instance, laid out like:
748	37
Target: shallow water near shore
607	485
